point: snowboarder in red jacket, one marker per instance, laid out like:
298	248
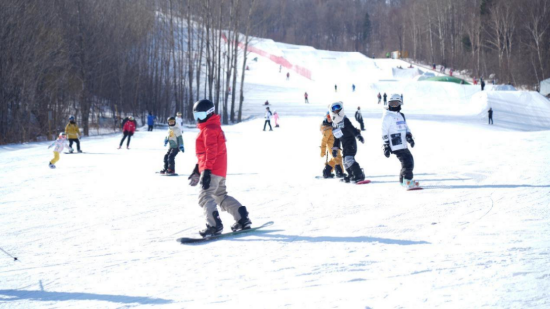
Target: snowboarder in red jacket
211	172
128	130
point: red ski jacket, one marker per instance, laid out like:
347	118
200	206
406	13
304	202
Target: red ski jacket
129	126
210	147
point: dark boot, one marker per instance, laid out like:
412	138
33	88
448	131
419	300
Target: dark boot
327	172
347	178
357	172
210	231
339	171
244	223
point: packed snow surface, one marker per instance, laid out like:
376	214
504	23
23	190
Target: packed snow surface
100	230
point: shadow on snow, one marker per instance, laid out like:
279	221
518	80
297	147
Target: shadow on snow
15	295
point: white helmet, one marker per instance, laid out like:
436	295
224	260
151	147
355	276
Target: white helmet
394	103
337	110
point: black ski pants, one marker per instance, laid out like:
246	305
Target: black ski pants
268	122
490	119
169	162
150	128
126	134
407	164
74	140
362	125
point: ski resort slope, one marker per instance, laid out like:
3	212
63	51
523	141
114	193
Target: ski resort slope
100	230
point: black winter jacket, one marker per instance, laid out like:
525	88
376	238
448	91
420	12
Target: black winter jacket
344	135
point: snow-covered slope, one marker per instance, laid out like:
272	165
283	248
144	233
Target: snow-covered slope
99	231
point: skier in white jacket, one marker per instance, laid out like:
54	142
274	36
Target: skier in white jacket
179	121
395	135
60	143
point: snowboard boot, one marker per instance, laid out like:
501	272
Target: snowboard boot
71	150
119	147
163	171
244	222
327	172
410	183
79	151
170	172
210	231
52	165
357	171
339	171
347	178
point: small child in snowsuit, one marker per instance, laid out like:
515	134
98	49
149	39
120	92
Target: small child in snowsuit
395	135
60	143
327	142
276	118
73	133
345	134
175	139
211	171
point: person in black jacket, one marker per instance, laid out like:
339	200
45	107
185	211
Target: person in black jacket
344	135
490	114
359	118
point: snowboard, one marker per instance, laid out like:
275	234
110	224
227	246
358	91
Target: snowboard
415	189
190	240
76	152
175	174
362	182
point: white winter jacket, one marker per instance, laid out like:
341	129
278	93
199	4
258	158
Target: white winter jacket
394	130
179	122
60	144
268	115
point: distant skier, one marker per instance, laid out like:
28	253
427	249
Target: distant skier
150	122
128	130
327	144
482	84
179	121
353	87
359	118
211	171
379	97
490	114
73	133
276	118
60	143
395	135
287	75
385	96
345	134
268	115
306	97
175	139
335	88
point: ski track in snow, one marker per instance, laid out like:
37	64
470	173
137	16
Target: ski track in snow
101	229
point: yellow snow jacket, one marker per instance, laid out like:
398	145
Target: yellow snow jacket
72	131
328	139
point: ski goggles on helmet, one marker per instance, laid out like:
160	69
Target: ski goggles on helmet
394	103
336	107
171	122
202	115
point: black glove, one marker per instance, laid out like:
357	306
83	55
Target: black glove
205	180
335	153
194	177
410	139
361	139
387	150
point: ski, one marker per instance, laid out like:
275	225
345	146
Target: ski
415	189
73	152
190	240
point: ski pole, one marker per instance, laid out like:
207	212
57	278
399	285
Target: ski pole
14	258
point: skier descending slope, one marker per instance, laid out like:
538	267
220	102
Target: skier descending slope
211	172
395	135
345	133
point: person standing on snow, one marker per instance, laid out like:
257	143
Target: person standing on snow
128	130
175	139
150	122
179	121
73	133
482	84
211	171
395	135
385	97
327	143
490	114
335	88
287	75
359	118
268	115
60	144
353	87
379	97
345	134
305	97
276	118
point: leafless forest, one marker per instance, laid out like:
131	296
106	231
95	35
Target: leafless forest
99	60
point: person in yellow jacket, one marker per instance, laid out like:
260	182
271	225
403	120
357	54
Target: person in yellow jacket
73	133
327	143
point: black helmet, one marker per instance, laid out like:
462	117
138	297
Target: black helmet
202	110
171	121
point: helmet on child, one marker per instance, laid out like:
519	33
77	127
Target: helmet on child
178	114
131	117
337	110
171	121
394	103
62	135
71	118
203	110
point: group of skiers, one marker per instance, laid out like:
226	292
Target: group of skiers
339	133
